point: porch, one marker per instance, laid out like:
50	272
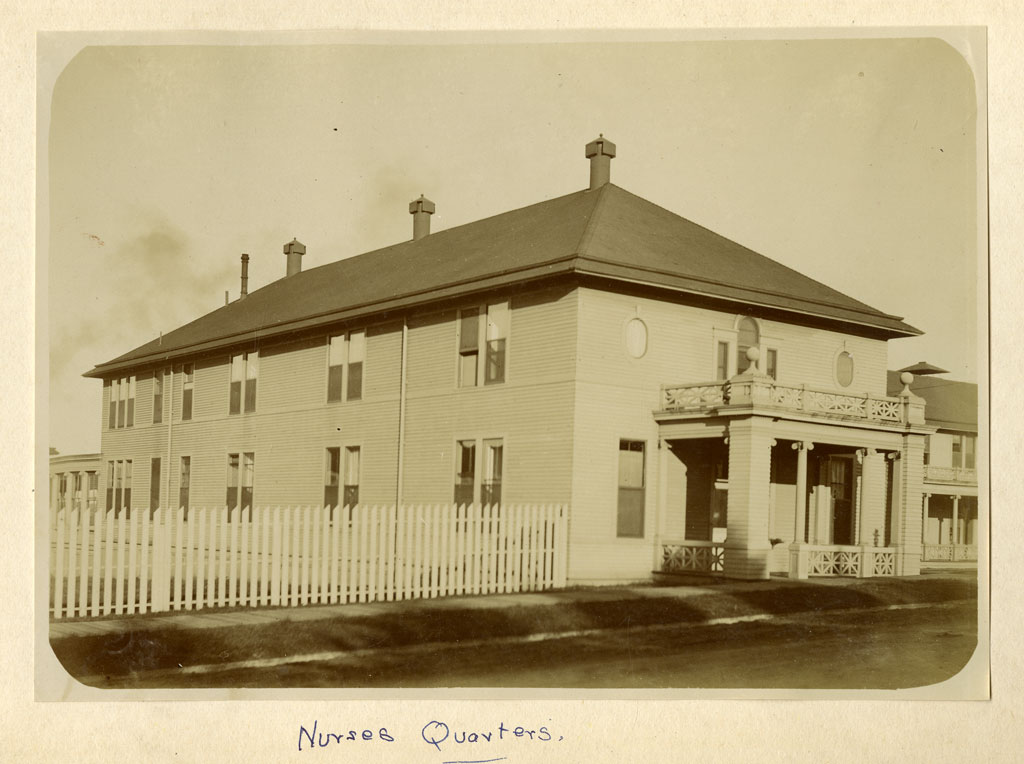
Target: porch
758	478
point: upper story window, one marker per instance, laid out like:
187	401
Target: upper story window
964	447
345	356
188	373
844	369
244	371
487	328
158	396
122	403
771	363
747	336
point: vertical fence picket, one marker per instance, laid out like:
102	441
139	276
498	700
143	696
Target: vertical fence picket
485	543
345	555
224	546
435	550
177	517
387	553
459	548
561	546
401	513
444	523
371	554
199	518
83	555
334	517
144	573
247	589
303	551
60	556
294	519
210	593
97	561
380	561
323	532
72	560
112	542
231	546
501	553
274	590
266	528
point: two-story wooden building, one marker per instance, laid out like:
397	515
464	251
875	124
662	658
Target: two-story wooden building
949	520
697	405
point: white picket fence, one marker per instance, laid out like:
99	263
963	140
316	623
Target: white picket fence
285	556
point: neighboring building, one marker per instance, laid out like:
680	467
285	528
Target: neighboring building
949	529
592	350
74	481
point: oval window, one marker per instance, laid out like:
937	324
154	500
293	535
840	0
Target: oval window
844	369
636	337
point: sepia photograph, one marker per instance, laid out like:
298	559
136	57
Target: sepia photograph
409	362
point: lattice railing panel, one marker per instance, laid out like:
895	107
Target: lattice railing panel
692	558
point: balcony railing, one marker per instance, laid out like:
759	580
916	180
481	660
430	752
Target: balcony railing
704	396
950	553
950	474
692	557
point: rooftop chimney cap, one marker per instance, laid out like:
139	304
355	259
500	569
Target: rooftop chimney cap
423	204
295	246
600	146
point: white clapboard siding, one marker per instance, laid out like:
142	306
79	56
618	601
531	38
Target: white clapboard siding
205	557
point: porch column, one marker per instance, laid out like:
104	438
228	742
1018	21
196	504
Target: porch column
955	534
911	485
797	554
746	543
659	512
872	503
924	517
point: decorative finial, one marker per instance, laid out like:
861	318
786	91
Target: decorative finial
906	378
753	355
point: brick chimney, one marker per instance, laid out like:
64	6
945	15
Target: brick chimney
295	250
245	277
600	152
421	209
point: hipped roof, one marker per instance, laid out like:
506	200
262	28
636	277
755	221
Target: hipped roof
607	232
949	405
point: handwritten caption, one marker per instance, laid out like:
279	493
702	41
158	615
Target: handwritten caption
437	734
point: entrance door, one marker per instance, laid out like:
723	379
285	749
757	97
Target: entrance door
839	477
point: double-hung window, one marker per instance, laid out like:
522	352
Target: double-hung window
631	489
487	328
158	396
93	488
351	484
479	482
184	482
244	371
241	467
122	403
154	484
490	488
465	471
188	383
119	485
332	472
345	355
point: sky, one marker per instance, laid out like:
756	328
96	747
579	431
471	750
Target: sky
852	161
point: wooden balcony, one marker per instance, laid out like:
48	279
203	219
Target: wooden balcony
959	475
763	392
